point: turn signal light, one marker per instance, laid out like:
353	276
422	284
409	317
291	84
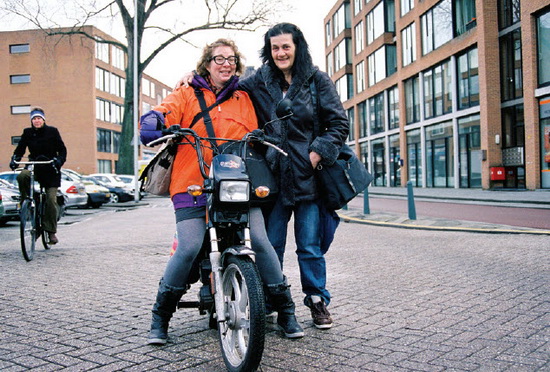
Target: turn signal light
194	190
262	191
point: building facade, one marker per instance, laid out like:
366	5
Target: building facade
445	93
80	83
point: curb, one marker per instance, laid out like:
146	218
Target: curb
348	219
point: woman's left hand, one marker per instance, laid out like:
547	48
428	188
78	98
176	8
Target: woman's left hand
315	158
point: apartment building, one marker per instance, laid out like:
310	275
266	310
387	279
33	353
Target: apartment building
445	93
79	82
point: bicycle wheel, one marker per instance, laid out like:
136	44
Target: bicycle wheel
28	229
242	335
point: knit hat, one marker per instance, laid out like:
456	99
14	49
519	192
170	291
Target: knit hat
38	112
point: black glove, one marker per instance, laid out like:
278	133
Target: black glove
57	163
13	164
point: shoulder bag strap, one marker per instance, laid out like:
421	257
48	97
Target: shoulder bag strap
205	110
205	113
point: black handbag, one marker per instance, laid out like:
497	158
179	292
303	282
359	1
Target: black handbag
342	181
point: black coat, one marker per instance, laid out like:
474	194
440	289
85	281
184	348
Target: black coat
43	144
295	173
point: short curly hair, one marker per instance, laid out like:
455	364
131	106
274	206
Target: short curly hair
207	54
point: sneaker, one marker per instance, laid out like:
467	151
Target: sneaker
321	316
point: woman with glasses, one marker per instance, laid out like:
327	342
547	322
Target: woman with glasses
217	80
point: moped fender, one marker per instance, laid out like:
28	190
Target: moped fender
238	250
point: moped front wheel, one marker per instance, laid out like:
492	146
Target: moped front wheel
27	229
242	334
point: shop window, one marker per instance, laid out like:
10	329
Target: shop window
362	116
414	157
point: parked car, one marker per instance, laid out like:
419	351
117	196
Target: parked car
74	193
120	193
130	182
9	197
97	194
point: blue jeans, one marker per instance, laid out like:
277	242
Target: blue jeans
313	273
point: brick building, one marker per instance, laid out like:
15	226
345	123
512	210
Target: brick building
445	93
80	84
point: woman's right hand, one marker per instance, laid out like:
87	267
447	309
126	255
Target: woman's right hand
185	80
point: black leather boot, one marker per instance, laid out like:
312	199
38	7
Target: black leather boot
281	300
164	307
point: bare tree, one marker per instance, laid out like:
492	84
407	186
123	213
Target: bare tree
245	15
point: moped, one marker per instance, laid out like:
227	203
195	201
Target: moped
232	290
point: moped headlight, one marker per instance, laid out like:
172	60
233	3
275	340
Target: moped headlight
234	191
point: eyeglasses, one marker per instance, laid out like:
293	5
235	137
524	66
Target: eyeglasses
220	60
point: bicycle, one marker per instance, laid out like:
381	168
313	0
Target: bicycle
31	214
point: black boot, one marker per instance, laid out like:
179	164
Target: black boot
164	307
281	300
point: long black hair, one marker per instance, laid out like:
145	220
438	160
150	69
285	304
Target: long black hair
302	60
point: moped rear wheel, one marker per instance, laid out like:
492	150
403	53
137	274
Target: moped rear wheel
242	335
28	229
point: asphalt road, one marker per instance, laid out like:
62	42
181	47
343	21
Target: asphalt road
403	300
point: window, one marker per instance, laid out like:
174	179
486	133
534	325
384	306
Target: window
408	44
414	156
330	64
513	131
15	140
19	48
543	50
382	64
104	142
351	118
102	79
344	87
342	54
393	107
360	76
328	37
437	26
440	155
118	58
437	91
412	100
465	16
104	166
376	111
145	87
341	19
117	85
468	79
20	109
357	6
359	42
20	79
509	13
510	66
102	51
406	6
362	116
375	22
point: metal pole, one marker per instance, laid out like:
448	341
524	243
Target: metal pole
136	103
366	205
410	198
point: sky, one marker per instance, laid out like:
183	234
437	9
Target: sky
308	15
179	57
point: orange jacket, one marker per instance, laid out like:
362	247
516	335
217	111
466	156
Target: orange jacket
231	119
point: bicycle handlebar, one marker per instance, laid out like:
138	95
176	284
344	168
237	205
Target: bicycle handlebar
34	162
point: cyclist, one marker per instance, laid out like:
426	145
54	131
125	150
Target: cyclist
44	143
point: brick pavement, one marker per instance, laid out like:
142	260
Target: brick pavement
403	300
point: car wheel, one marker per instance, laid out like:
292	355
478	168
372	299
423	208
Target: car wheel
114	198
